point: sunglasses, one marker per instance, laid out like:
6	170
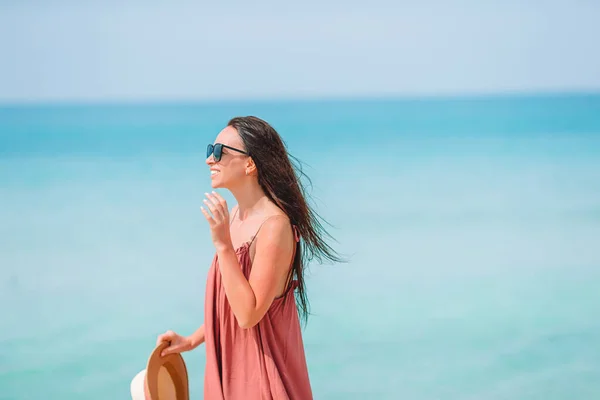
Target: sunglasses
217	150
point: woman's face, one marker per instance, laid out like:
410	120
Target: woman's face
231	169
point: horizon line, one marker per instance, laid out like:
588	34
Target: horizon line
149	101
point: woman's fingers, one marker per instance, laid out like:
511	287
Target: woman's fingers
169	350
165	337
178	346
218	199
208	217
215	207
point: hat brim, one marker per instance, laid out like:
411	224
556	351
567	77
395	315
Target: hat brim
166	377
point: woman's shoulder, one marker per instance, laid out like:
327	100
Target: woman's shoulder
275	215
271	213
275	225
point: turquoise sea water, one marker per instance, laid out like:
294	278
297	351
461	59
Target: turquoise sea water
472	226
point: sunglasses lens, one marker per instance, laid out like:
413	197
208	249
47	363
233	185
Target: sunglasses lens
218	152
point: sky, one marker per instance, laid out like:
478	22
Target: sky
66	50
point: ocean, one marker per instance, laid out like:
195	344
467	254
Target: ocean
471	227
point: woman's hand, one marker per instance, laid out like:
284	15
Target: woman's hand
218	221
177	343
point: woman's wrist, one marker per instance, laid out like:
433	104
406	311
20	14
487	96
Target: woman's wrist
196	338
192	342
224	247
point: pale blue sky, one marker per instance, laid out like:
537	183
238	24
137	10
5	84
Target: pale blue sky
173	50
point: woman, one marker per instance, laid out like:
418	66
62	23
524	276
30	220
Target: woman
251	329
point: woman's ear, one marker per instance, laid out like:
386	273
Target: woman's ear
250	167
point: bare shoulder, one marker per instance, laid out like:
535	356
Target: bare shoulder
276	231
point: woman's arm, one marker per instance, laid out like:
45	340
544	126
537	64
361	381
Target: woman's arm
197	338
178	343
251	298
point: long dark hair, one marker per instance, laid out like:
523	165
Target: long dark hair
280	180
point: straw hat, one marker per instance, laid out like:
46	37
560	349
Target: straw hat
165	378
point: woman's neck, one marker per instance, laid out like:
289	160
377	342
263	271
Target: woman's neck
251	201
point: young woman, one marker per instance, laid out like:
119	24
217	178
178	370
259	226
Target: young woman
255	294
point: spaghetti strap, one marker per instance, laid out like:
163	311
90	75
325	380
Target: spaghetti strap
234	214
296	233
290	283
260	226
295	230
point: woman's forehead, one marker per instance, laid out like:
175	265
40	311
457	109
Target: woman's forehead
230	137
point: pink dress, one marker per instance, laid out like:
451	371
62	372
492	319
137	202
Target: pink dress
266	361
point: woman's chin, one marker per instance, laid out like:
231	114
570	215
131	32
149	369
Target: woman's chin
215	183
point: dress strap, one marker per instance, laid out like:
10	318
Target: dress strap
290	283
296	241
234	214
294	229
260	226
296	233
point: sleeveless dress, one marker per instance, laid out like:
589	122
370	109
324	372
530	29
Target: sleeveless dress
266	361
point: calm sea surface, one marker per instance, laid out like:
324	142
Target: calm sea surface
472	226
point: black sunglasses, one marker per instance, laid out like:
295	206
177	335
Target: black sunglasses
217	150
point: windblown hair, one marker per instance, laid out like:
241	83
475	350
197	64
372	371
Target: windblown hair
280	180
